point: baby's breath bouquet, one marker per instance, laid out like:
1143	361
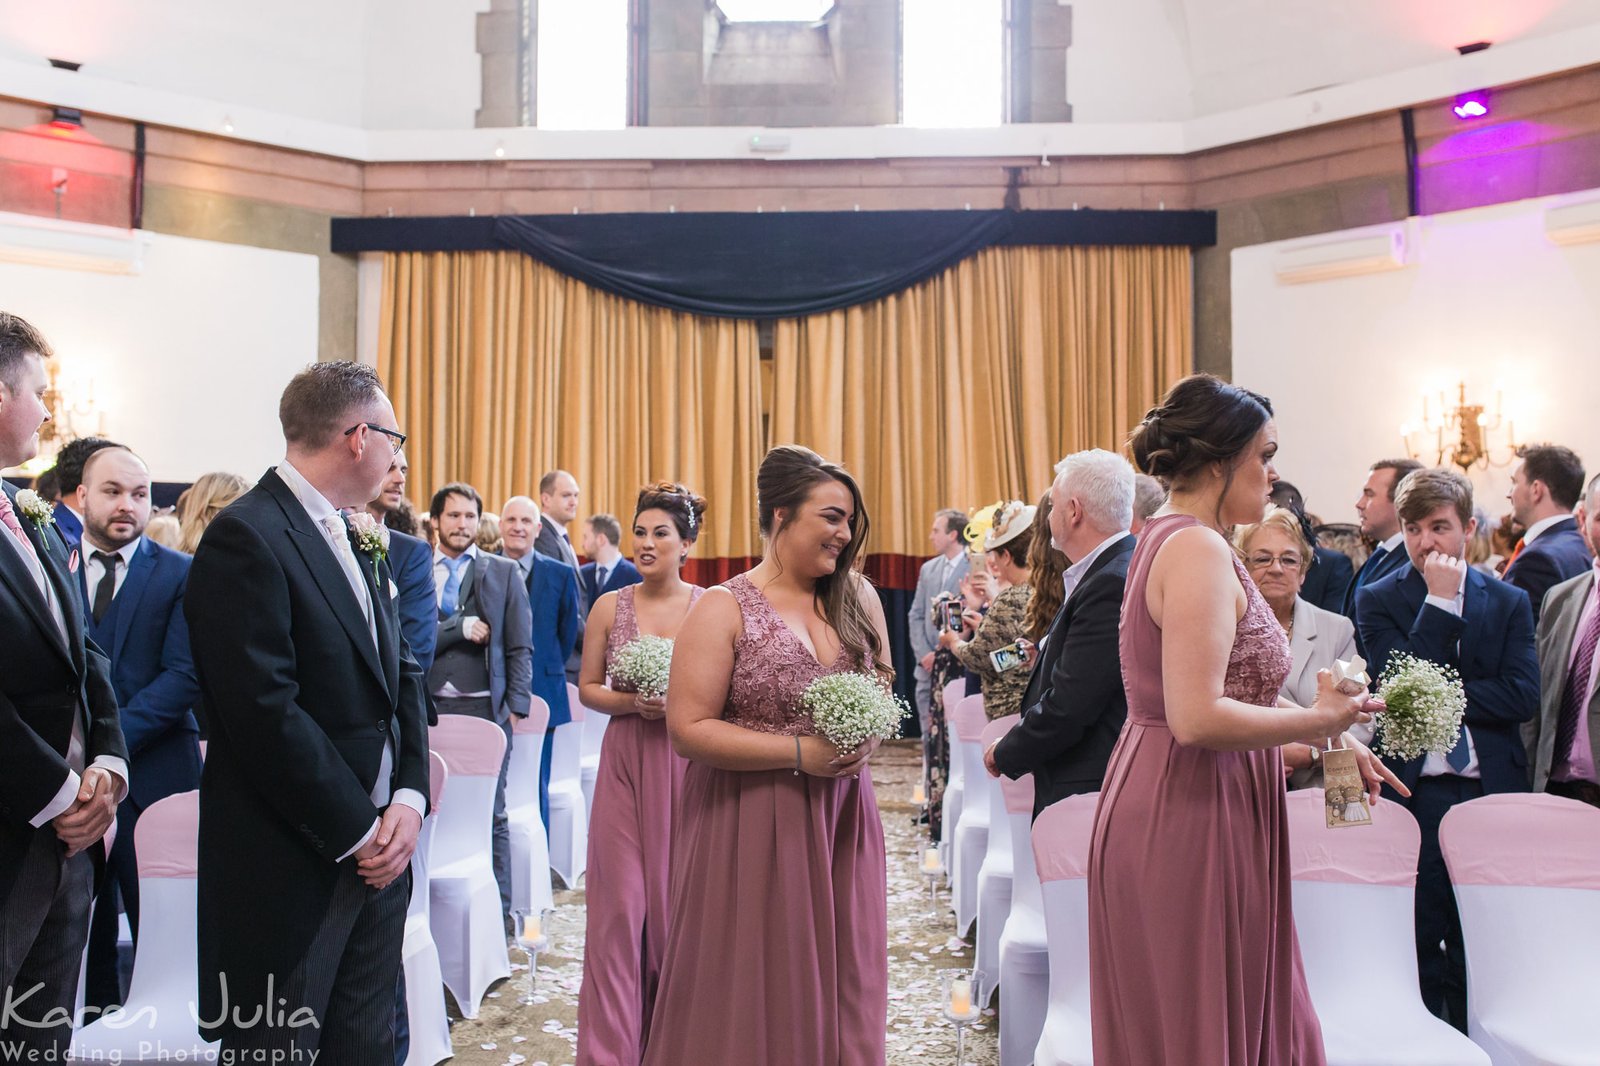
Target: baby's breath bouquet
1425	702
645	663
849	709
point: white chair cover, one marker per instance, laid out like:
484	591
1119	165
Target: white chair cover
1061	855
157	1023
995	874
972	830
569	813
426	1018
1526	870
530	847
463	896
1024	947
594	732
1364	986
955	777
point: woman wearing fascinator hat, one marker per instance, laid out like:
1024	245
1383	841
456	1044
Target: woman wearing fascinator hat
987	645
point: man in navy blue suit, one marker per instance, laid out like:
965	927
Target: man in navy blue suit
411	563
1442	610
553	598
1381	526
608	569
1545	485
70	463
132	591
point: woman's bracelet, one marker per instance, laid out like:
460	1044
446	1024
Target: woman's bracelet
797	755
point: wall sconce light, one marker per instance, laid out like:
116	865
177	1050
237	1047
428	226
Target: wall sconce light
66	118
1459	433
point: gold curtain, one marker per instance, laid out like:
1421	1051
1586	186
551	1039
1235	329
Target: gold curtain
969	387
501	368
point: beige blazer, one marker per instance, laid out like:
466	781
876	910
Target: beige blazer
1558	626
1319	638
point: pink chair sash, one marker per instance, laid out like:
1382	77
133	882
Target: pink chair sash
167	837
1523	838
538	719
954	693
438	774
1018	794
969	719
471	746
993	731
1061	838
1383	853
574	704
203	744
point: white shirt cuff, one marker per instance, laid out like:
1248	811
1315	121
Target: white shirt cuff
1445	604
64	797
118	768
410	797
362	842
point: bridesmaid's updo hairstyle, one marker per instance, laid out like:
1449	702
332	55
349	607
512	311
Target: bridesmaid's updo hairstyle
787	476
686	508
1201	421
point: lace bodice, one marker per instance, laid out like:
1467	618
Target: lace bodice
771	668
625	627
1261	659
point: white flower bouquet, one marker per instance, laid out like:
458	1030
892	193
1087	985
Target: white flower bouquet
1425	702
645	662
850	709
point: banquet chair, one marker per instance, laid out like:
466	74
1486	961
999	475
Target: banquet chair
1024	949
955	778
971	831
1364	987
594	733
1526	870
1061	854
530	847
569	814
463	895
995	872
419	955
157	1023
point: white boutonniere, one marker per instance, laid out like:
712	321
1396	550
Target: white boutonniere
36	509
372	538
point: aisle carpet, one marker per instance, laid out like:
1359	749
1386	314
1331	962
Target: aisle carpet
546	1034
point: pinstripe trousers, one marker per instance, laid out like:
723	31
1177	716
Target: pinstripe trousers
43	927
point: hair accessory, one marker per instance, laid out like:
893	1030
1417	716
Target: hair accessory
1012	520
688	500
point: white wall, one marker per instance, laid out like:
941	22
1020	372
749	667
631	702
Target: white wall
423	71
1129	61
1487	298
188	358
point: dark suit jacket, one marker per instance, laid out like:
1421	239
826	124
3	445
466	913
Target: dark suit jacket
411	563
301	702
502	601
1490	644
1328	579
1374	569
152	671
553	596
46	680
1559	554
622	575
550	544
68	525
1073	710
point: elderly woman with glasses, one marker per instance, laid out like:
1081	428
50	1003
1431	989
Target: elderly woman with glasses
1276	555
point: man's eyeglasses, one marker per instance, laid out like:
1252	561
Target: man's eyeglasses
394	435
1261	560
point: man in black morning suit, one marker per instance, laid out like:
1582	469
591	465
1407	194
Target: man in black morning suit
1545	484
316	776
1073	710
63	763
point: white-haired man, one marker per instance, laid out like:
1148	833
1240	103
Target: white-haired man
1074	707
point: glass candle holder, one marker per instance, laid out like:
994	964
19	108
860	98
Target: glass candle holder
959	1003
533	936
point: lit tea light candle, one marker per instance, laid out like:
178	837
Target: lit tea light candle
919	794
960	997
530	927
930	861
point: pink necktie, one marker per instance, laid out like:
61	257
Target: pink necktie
8	518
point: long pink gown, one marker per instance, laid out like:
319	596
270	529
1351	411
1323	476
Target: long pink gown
1192	949
630	844
777	952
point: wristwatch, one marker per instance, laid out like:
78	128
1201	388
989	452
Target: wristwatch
1316	754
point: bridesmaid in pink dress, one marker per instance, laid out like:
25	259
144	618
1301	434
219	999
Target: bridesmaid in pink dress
777	948
1192	950
636	788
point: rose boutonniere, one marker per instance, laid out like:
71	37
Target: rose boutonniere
36	509
372	538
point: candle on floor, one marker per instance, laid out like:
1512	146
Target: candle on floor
960	997
530	927
919	794
930	861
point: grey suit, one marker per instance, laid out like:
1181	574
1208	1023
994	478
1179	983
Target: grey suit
1558	627
924	633
553	542
1319	638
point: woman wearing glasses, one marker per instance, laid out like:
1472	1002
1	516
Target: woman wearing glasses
1277	557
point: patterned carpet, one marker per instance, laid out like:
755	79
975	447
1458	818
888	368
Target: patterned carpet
919	947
